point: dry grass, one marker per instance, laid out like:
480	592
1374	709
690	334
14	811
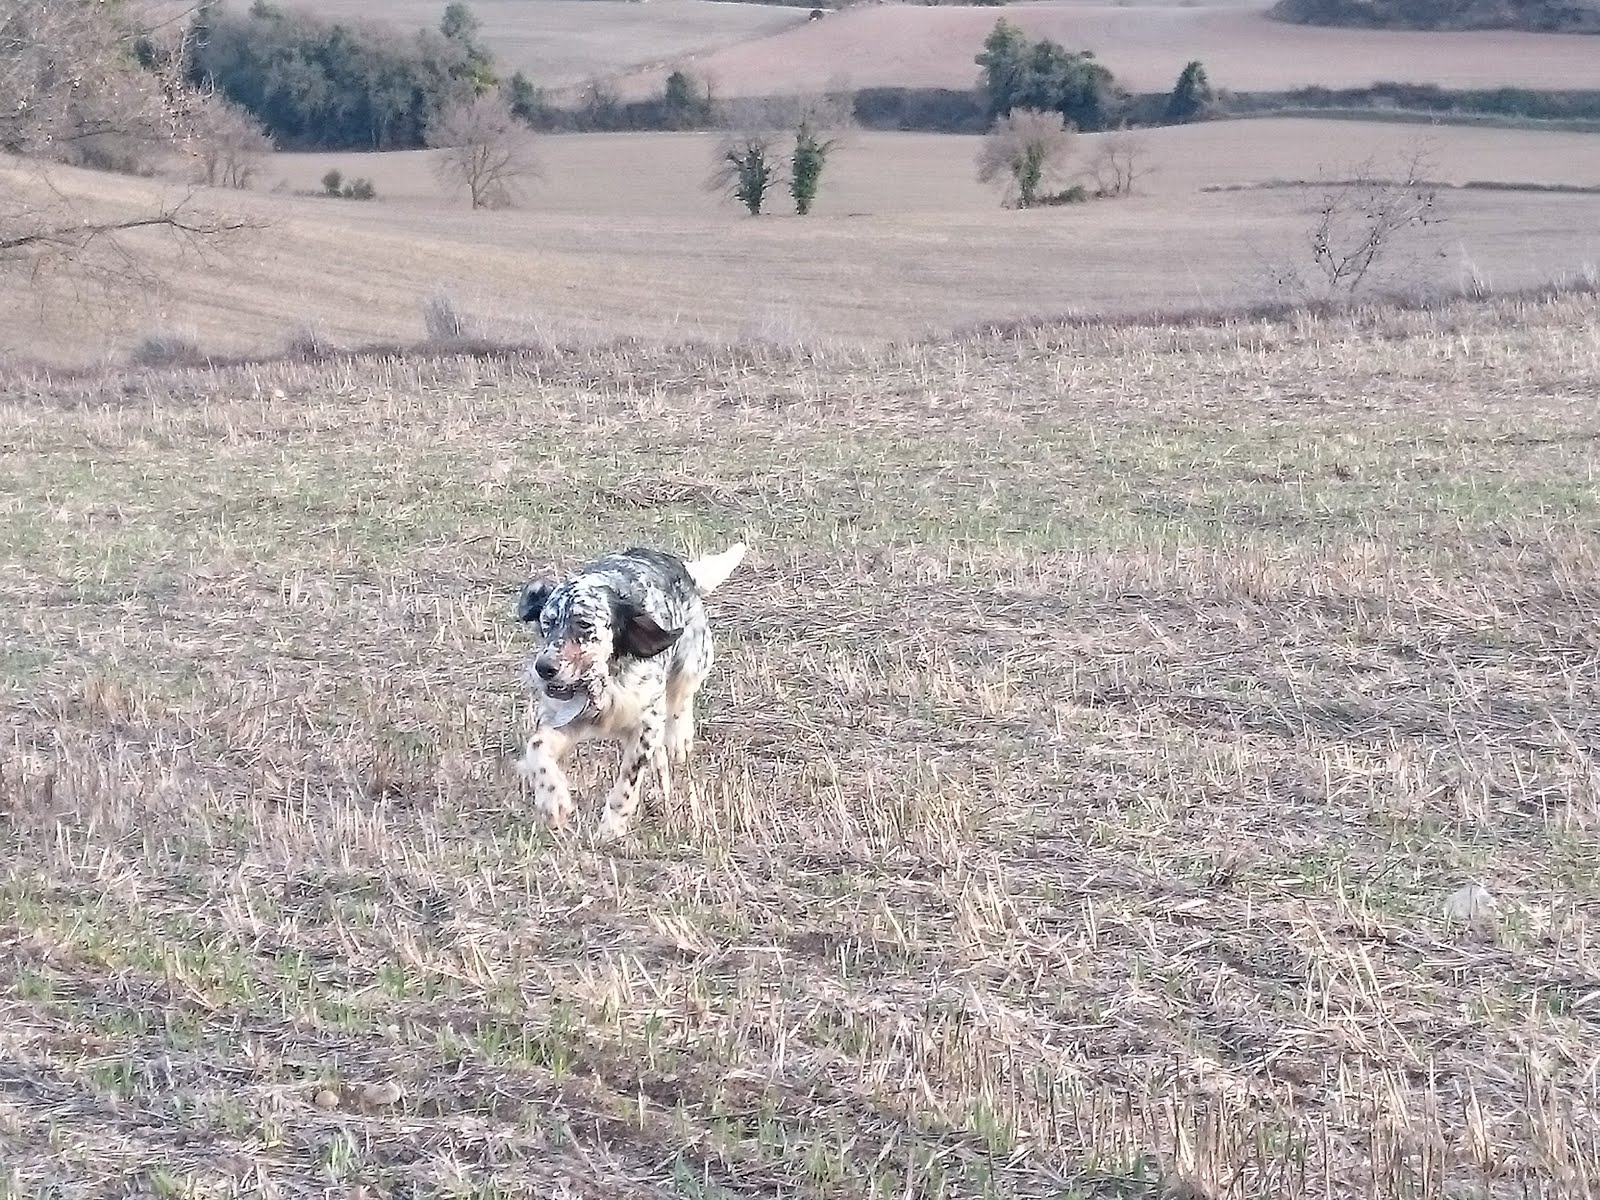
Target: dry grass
904	241
1102	726
912	45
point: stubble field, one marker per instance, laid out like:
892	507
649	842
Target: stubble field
1106	719
619	237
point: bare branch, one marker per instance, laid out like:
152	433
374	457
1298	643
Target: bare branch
1362	220
77	236
103	85
1118	164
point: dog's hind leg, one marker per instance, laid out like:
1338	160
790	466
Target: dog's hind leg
680	716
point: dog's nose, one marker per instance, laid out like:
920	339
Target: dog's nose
545	668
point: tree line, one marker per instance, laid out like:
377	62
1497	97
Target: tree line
274	76
325	85
318	84
1044	76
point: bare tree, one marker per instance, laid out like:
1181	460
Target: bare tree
1361	222
1118	164
66	79
229	145
484	150
1368	228
97	85
1024	149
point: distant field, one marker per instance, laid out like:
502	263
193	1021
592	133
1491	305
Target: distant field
904	241
563	42
910	45
1140	763
882	174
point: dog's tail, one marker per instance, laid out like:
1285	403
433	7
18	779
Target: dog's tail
710	572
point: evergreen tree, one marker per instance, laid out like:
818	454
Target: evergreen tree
805	167
461	26
1191	96
1047	77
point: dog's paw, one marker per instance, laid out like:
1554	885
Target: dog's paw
678	740
613	827
678	746
555	809
558	820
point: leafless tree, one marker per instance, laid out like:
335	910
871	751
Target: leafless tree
1118	164
73	91
1368	227
1023	150
484	150
229	145
1362	222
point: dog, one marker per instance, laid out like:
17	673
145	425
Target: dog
624	645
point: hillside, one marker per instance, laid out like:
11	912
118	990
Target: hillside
1141	762
904	242
560	43
1542	16
907	45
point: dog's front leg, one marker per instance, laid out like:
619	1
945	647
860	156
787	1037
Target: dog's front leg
540	765
646	749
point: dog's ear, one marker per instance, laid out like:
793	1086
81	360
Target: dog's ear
639	635
532	601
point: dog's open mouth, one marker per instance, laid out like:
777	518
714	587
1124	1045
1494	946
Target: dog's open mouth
561	691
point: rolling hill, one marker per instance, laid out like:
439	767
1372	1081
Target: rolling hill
906	45
904	241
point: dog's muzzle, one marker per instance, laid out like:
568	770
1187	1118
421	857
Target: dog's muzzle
550	675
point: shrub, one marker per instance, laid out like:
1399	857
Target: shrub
336	187
167	348
443	320
308	343
1075	194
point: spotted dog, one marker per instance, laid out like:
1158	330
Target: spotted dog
624	644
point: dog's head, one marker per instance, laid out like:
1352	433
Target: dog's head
585	624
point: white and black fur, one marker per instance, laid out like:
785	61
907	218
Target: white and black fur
624	646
